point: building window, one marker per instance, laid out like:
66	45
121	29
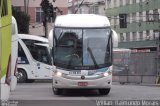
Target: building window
128	18
156	34
108	3
147	15
147	35
155	15
134	36
140	16
134	17
140	35
39	14
127	1
140	1
115	20
121	37
94	9
121	2
115	3
127	36
134	1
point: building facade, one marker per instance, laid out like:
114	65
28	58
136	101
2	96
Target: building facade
34	10
142	36
87	7
143	22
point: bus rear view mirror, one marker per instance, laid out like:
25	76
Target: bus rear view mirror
50	38
114	39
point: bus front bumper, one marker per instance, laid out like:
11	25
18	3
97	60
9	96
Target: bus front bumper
101	83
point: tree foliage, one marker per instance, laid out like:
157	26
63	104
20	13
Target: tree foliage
22	21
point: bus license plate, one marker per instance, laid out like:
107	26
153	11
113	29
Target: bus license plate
82	83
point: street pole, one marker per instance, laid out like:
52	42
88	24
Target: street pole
27	6
24	6
46	26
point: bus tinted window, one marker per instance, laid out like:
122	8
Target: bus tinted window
39	53
4	7
22	58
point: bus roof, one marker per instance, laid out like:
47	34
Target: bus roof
82	20
32	37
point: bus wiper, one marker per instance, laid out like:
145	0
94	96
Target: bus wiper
92	56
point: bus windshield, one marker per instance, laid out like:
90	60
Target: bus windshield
88	48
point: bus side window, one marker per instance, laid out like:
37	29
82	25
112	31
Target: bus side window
43	55
22	58
4	8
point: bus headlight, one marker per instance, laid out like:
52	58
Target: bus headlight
59	74
106	74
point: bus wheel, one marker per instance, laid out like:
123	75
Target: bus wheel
57	91
104	91
21	76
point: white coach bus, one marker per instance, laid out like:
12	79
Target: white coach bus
82	52
34	61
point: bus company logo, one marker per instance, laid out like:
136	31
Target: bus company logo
82	77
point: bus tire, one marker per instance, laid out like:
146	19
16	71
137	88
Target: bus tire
104	91
21	76
57	91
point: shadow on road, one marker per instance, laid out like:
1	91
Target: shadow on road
80	92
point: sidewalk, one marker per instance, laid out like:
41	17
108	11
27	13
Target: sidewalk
138	84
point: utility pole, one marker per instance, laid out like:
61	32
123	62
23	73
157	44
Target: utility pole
25	7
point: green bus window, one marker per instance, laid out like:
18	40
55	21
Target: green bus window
4	8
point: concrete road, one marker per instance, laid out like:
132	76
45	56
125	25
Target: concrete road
40	94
